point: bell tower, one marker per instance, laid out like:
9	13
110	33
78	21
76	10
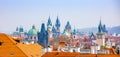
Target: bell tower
100	35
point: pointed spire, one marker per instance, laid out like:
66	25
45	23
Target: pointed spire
21	29
74	31
100	29
92	36
57	23
17	29
68	26
33	27
43	28
104	29
53	29
49	23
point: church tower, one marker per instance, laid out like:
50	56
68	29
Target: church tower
53	32
32	35
21	32
100	35
49	28
57	25
67	30
43	36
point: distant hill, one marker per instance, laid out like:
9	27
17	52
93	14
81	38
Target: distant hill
94	30
111	30
114	30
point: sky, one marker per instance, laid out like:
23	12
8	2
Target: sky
80	13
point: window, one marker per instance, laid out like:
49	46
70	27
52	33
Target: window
34	38
74	36
31	37
11	53
0	43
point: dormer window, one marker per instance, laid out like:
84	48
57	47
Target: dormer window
0	43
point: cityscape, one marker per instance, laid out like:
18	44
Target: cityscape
59	36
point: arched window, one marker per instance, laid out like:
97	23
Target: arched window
30	37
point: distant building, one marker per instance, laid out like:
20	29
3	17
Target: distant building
19	33
49	28
57	27
54	32
101	35
43	36
32	35
104	29
67	30
75	40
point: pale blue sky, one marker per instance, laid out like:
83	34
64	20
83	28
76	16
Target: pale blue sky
80	13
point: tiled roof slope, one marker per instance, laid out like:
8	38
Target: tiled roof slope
75	54
10	48
34	50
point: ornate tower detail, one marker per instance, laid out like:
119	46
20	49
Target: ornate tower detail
67	30
49	28
57	25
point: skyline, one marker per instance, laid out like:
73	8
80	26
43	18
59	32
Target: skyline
15	13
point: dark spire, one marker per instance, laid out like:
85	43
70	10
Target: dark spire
74	31
17	29
53	29
33	27
100	29
57	23
68	26
104	29
21	29
43	28
92	36
49	22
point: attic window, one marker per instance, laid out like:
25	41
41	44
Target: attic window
0	43
11	53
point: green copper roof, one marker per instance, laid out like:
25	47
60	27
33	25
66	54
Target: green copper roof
32	32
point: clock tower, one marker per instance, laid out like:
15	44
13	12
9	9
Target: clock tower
100	36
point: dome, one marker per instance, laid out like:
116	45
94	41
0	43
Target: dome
32	32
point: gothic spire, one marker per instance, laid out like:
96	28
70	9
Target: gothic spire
53	29
100	29
68	26
43	28
57	23
49	22
104	29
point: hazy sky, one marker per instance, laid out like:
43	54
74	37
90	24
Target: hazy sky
80	13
